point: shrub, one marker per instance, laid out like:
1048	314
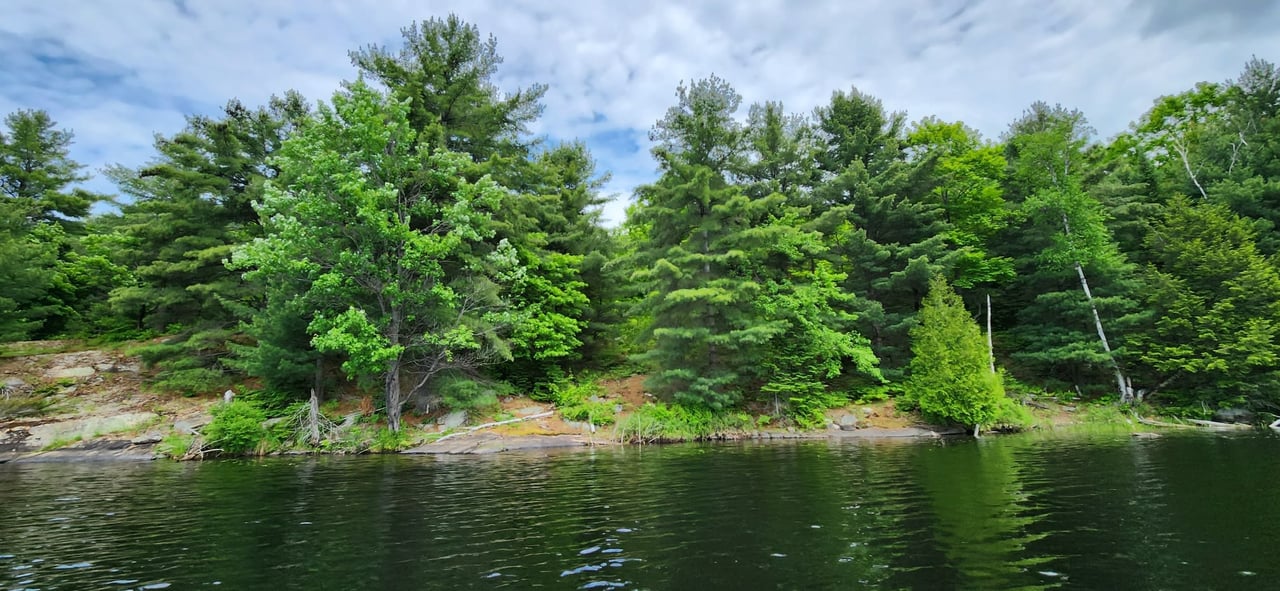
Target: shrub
464	393
236	428
598	413
574	394
676	422
176	445
275	403
951	376
386	440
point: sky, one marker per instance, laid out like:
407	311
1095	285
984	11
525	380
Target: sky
117	72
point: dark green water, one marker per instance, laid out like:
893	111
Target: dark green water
1100	512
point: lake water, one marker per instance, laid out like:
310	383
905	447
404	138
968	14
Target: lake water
1018	512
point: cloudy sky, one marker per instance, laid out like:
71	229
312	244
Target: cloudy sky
118	71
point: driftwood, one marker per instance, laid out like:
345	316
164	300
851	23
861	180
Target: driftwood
541	415
1217	425
1155	423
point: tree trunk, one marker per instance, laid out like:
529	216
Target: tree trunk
977	430
313	418
1102	335
391	384
317	392
991	348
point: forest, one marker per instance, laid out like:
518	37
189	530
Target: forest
408	237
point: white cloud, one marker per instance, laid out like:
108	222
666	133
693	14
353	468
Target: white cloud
118	70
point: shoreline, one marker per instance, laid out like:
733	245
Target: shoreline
104	451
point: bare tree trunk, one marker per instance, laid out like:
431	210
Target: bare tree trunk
391	384
1102	335
317	392
991	348
1186	163
977	430
313	418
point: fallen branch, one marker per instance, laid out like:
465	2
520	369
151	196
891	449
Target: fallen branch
1217	425
541	415
1155	423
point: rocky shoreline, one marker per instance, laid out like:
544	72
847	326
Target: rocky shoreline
115	450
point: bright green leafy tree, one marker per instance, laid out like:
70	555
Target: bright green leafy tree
386	233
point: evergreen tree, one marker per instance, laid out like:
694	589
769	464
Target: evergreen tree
445	70
877	221
37	172
700	236
190	209
1217	300
951	376
26	274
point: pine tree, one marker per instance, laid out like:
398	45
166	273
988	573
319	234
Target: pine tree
701	240
37	172
1217	301
879	224
951	376
190	209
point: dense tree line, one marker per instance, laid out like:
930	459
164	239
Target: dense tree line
409	235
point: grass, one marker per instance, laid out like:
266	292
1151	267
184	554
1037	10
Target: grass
30	348
658	422
14	407
62	442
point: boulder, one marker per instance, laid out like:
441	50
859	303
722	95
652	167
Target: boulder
147	439
59	373
190	426
453	420
847	422
1233	415
529	410
583	426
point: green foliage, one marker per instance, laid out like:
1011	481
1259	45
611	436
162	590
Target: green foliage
274	403
176	445
817	345
574	393
658	422
236	428
16	406
386	440
950	373
409	279
459	392
598	412
1216	339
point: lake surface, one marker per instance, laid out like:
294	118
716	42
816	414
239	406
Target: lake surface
1018	512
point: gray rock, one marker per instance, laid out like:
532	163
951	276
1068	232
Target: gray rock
529	410
148	439
190	426
867	412
14	382
269	423
69	372
104	367
847	422
583	426
833	426
453	420
1233	415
